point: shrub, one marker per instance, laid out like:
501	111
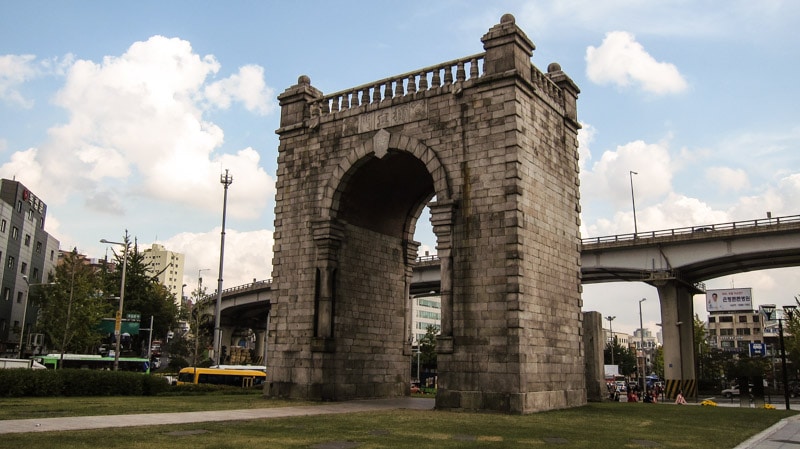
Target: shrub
77	382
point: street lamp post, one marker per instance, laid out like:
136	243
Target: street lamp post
769	310
226	181
118	320
611	331
633	202
25	314
641	339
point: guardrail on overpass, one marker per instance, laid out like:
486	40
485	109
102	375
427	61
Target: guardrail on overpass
693	230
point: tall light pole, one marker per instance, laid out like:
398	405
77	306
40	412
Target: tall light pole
611	331
226	181
641	339
200	282
118	319
25	314
769	310
633	202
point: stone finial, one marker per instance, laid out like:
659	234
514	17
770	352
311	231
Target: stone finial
303	80
553	67
508	18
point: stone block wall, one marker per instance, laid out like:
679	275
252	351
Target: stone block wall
498	151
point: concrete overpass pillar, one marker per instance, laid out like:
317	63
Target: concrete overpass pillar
677	321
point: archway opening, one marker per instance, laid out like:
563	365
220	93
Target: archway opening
379	205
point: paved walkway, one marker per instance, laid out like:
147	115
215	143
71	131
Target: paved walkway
153	419
783	435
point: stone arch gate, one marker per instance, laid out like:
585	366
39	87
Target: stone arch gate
489	142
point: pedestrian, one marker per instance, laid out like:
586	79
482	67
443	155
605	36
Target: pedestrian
680	400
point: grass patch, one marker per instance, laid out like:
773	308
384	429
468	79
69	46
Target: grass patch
56	407
606	425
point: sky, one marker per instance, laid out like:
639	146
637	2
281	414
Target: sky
123	115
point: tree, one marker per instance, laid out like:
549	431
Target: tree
711	362
624	358
657	362
143	293
72	308
428	347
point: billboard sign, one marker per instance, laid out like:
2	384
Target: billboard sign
729	300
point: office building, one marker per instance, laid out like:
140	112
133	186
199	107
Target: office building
29	256
167	266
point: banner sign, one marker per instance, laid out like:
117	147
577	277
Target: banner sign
729	299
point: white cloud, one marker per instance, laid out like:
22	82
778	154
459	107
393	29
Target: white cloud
609	178
781	200
622	61
585	138
727	179
248	256
247	86
137	127
14	71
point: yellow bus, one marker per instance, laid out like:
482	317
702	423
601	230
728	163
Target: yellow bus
218	376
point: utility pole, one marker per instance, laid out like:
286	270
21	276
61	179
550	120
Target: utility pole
226	181
633	202
611	331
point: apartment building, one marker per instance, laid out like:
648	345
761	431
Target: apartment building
167	266
734	331
29	256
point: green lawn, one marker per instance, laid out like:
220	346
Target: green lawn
606	425
22	408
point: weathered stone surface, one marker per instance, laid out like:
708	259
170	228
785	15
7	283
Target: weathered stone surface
492	141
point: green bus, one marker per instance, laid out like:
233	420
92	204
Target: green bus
90	361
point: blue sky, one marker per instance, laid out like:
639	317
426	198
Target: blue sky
123	115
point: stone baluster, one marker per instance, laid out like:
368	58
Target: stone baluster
448	75
376	93
398	88
461	75
411	88
436	81
423	81
387	90
473	68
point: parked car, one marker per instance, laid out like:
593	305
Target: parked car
734	391
731	392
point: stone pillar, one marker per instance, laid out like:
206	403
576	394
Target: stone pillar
442	214
507	49
328	236
295	102
411	250
677	321
593	345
